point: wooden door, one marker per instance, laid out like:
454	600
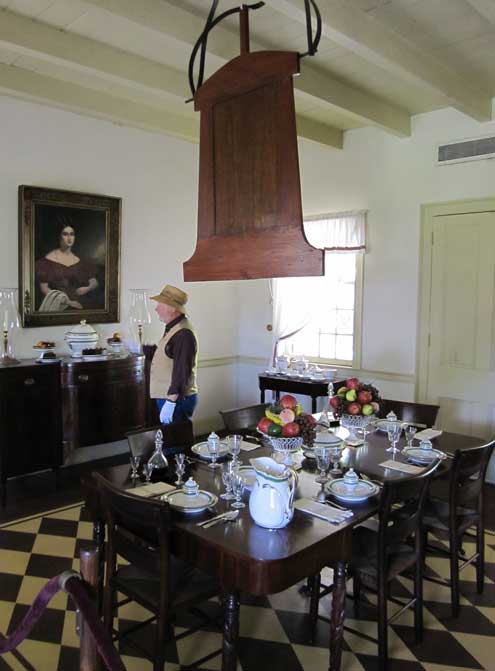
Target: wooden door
459	304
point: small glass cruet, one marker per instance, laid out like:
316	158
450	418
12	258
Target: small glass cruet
158	460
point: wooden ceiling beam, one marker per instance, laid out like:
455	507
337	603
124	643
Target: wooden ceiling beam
360	33
186	27
29	85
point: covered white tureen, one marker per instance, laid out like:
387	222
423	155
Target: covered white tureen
82	336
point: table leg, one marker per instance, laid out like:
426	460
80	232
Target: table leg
230	631
262	396
313	404
337	616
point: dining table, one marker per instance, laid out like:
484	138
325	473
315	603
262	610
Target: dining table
247	558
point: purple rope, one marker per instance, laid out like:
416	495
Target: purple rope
77	590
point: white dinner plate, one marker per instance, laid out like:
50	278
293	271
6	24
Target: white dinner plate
188	503
48	360
248	475
352	494
95	357
201	449
424	457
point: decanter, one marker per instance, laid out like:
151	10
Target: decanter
158	460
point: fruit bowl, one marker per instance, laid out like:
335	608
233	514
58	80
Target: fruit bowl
291	444
353	422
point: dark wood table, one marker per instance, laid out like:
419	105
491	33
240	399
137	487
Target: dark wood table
303	386
247	558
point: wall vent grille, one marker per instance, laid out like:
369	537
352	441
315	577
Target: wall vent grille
466	150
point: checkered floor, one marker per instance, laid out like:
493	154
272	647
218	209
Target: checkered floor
273	633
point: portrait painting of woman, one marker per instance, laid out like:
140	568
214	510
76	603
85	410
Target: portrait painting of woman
73	249
64	280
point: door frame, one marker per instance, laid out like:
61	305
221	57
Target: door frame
429	212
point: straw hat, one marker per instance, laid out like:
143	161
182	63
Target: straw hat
172	296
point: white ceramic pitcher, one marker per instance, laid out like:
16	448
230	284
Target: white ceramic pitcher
271	503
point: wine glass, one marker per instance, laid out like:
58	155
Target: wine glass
238	488
409	432
180	468
213	451
335	455
322	455
148	470
228	472
394	429
135	461
234	443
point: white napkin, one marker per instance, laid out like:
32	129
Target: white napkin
248	447
427	434
153	489
399	466
321	511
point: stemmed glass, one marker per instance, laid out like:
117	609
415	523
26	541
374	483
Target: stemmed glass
394	429
228	472
238	488
148	470
365	430
180	468
213	450
335	455
234	443
322	455
135	461
409	432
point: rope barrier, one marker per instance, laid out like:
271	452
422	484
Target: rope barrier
70	582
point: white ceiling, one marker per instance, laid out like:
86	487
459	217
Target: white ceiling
379	61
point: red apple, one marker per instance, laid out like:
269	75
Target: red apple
364	397
354	408
291	430
287	416
335	402
352	383
288	401
263	424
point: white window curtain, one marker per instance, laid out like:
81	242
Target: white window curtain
290	315
342	232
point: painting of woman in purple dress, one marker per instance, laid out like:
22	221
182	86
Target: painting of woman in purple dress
70	257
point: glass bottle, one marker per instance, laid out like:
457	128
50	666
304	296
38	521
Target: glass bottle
139	316
10	324
158	460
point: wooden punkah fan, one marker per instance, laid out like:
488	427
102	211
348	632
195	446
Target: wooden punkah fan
249	207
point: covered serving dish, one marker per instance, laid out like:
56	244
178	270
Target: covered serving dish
82	336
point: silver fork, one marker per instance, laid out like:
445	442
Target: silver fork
229	516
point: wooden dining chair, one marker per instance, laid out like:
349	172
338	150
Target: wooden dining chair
383	552
453	508
176	438
138	532
243	420
422	414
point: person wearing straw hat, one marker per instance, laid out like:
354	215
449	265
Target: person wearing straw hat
173	368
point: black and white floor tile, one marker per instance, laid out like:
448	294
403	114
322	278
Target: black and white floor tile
273	630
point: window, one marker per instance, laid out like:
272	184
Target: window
320	317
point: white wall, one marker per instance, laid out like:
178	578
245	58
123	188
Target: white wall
156	177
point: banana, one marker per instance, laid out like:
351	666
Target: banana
298	410
274	418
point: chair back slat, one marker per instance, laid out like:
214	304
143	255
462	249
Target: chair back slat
243	419
420	413
400	514
176	436
468	475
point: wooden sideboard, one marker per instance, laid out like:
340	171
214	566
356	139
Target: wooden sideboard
47	411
